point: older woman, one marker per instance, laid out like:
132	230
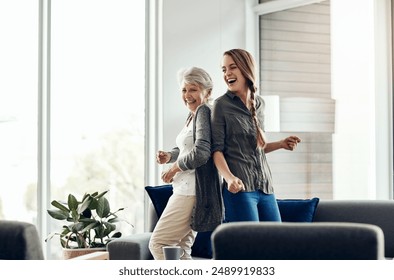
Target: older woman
196	203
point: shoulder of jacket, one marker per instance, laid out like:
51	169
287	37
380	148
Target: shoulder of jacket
203	108
222	97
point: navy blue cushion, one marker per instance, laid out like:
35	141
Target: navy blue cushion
202	245
159	196
298	210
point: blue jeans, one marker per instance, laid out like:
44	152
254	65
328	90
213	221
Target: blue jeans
250	206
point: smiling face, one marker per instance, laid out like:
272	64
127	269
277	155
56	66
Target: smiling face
193	96
232	76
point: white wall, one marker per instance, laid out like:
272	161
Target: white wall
196	33
184	33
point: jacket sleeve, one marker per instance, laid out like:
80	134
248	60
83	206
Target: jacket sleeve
174	154
201	150
218	127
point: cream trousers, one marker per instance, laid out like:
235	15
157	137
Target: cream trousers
173	227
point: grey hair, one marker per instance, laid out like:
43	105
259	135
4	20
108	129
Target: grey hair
196	75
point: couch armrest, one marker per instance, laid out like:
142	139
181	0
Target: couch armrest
19	241
298	241
133	247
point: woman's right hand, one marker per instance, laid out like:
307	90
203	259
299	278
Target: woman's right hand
234	185
163	157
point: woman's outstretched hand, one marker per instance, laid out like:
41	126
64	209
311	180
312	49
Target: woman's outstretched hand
290	143
162	157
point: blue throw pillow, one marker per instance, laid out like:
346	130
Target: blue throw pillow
159	196
202	245
298	210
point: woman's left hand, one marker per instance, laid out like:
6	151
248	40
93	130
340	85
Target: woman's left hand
290	143
168	176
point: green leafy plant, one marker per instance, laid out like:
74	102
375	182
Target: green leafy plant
91	224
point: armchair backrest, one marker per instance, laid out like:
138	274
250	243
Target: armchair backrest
298	241
375	212
19	241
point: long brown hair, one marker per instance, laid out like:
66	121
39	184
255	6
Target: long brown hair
246	64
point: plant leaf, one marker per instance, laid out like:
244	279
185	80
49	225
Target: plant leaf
93	203
89	226
66	230
58	214
110	226
63	243
59	205
85	204
87	221
84	196
103	208
95	195
78	227
74	215
116	235
100	232
72	202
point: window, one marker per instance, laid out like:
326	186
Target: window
18	110
295	64
348	87
96	102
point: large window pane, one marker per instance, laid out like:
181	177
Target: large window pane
18	110
97	103
295	63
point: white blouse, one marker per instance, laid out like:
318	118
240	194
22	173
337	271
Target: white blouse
184	182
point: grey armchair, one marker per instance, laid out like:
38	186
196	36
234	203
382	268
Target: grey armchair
19	241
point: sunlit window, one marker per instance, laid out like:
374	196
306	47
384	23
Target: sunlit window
18	110
97	107
97	103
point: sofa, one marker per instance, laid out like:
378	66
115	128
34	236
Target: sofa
338	229
19	241
302	241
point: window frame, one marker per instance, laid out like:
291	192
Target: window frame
44	118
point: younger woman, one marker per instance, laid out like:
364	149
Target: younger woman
239	144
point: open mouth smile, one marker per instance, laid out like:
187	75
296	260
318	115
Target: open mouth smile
190	101
231	81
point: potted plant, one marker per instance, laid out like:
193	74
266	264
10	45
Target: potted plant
90	223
